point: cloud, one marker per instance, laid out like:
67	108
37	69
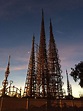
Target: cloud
60	32
69	56
69	52
19	68
15	68
2	69
19	58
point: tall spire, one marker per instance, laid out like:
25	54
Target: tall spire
55	82
42	69
30	84
67	83
42	15
5	82
69	88
42	32
7	70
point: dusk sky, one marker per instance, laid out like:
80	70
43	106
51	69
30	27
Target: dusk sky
20	19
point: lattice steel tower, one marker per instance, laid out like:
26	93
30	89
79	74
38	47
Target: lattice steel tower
5	82
30	84
42	65
69	87
55	82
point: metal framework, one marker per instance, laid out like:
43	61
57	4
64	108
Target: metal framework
5	82
30	84
69	87
44	74
55	77
9	90
42	65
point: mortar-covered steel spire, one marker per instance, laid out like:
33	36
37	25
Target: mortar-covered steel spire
55	82
69	88
7	70
42	68
30	84
5	82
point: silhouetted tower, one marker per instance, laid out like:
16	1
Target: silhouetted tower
5	82
42	68
30	84
55	82
69	88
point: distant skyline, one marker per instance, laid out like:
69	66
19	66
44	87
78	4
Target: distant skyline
20	19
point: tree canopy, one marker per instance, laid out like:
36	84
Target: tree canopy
77	73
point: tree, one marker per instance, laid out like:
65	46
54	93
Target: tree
77	73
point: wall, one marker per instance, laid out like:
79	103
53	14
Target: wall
24	104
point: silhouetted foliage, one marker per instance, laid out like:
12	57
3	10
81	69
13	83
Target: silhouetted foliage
77	73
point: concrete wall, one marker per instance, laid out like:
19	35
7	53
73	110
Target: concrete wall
24	104
13	104
62	103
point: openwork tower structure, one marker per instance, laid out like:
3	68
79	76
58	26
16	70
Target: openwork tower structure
55	78
42	65
44	74
30	84
69	87
5	82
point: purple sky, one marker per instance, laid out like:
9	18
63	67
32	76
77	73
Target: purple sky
20	19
